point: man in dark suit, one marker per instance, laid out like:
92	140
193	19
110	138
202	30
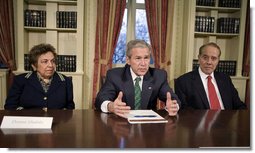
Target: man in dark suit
117	94
192	87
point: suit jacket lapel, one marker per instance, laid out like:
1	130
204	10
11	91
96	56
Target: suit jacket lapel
147	89
128	87
221	87
56	82
33	81
200	88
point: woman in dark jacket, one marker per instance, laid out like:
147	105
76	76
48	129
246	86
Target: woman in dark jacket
43	88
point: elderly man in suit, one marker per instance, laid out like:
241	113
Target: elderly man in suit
204	88
119	92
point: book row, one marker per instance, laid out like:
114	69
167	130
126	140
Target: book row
222	3
66	19
64	63
35	18
224	25
228	25
230	3
204	24
205	2
226	66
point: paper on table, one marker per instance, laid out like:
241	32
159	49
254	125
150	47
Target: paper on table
144	116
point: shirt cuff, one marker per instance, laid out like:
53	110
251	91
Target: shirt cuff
104	107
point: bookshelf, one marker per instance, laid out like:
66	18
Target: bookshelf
219	21
38	21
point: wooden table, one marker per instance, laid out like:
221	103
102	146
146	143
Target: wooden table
93	129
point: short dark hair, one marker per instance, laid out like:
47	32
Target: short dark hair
201	49
38	50
137	43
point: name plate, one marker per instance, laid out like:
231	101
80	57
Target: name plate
26	122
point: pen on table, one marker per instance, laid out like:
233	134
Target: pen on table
145	116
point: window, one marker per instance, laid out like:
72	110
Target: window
141	28
134	25
119	55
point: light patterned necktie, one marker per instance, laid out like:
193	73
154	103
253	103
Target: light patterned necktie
214	101
137	93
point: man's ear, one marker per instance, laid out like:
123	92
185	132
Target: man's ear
33	66
127	60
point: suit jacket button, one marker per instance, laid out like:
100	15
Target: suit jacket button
45	98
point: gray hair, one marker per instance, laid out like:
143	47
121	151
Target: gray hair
201	49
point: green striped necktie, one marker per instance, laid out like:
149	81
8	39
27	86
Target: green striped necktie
137	93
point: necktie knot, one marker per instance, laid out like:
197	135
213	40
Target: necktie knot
209	77
137	79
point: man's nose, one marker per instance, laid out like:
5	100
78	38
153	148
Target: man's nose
209	61
143	61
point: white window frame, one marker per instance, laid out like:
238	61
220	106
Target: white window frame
131	18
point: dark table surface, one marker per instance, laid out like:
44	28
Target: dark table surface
93	129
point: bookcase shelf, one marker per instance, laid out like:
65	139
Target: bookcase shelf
43	29
43	2
67	41
50	29
219	9
231	41
218	35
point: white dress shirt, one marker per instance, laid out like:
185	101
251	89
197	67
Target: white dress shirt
203	77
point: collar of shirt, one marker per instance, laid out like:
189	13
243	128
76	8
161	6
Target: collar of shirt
203	75
45	85
42	80
133	75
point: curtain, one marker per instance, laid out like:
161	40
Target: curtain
159	15
246	55
109	20
7	55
